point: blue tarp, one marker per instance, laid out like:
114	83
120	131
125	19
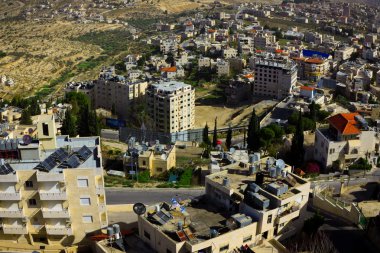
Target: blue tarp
311	53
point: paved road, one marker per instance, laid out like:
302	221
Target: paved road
148	196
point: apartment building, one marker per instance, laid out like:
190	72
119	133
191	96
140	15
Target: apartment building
274	78
222	68
157	158
261	41
51	189
347	138
343	54
171	106
111	91
313	68
245	204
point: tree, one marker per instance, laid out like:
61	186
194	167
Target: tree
229	138
313	111
215	135
170	59
253	138
266	136
69	124
297	149
93	123
83	126
26	117
206	139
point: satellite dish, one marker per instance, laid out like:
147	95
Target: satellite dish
27	139
139	208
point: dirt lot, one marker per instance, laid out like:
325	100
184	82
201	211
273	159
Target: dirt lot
227	115
41	51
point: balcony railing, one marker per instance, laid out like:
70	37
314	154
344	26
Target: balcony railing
288	215
10	196
49	213
58	230
7	213
15	229
46	195
10	178
50	177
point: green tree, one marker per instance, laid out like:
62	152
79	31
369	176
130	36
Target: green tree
93	123
206	139
313	111
26	117
266	136
229	138
83	120
69	124
170	59
297	149
215	135
253	138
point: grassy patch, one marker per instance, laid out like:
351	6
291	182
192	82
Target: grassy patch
90	63
112	41
112	181
143	24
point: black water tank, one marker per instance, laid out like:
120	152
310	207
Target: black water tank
259	178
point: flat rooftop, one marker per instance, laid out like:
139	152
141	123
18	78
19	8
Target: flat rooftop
198	218
170	86
83	152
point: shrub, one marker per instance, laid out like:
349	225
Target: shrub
144	176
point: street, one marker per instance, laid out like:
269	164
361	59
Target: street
148	196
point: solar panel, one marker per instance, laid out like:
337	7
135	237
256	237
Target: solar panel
84	153
48	164
6	169
60	155
72	162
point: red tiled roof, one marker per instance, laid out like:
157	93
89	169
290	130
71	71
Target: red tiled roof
169	69
345	123
314	60
278	51
248	76
307	88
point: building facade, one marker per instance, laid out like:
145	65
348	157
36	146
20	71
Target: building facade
347	139
273	78
171	106
53	193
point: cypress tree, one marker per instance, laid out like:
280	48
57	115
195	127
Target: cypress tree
26	117
69	124
297	149
206	139
313	111
229	138
253	138
215	135
93	124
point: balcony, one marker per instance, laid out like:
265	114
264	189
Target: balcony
10	178
288	215
7	213
50	177
46	195
15	229
58	230
49	213
99	190
10	196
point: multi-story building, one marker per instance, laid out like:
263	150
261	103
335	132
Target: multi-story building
261	41
222	68
274	78
51	189
171	106
343	54
112	92
347	138
156	159
204	62
244	205
229	53
313	68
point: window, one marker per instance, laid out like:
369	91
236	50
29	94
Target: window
144	163
85	201
269	219
87	218
45	129
32	202
159	169
29	184
247	239
147	235
224	248
82	182
168	251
